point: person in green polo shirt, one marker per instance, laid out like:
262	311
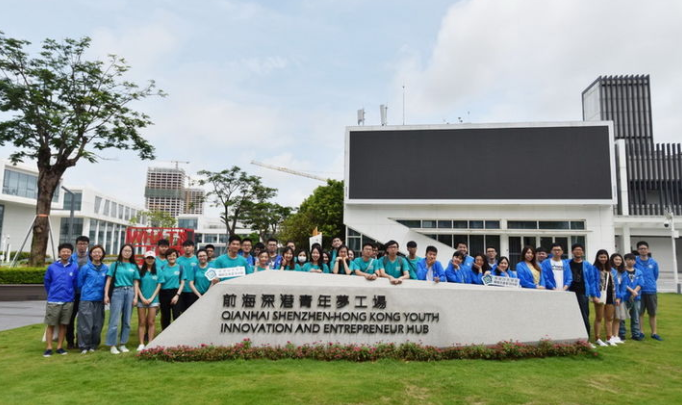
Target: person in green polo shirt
364	265
393	267
147	289
173	283
122	274
188	262
199	283
412	258
262	262
232	259
316	263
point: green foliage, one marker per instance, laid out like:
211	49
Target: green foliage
59	108
265	217
237	193
646	372
22	275
334	352
323	209
161	219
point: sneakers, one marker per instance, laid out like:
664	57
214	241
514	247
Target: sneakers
91	350
140	348
123	349
47	353
84	351
611	342
617	340
655	336
601	343
593	346
638	338
62	352
114	350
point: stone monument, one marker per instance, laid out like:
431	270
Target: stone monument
277	307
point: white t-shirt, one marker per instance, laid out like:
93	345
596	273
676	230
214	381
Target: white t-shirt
429	274
558	270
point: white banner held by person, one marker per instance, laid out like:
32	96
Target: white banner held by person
227	272
499	281
315	239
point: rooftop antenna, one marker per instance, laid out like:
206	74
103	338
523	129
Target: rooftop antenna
383	109
361	116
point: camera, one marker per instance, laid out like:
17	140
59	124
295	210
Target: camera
666	223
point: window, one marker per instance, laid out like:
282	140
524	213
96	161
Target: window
106	207
476	224
189	223
121	211
460	224
428	224
127	217
98	204
93	232
210	238
2	216
64	230
492	224
77	201
577	224
445	224
522	225
554	225
410	223
114	206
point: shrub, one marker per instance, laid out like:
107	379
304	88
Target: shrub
361	353
22	275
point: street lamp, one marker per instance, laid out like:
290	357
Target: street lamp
670	223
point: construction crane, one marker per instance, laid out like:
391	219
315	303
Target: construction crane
177	162
285	170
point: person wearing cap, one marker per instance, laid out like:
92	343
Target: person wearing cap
147	291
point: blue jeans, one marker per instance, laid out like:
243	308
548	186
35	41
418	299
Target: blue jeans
634	309
120	309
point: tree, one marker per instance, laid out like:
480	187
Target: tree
322	210
265	218
66	109
235	192
161	219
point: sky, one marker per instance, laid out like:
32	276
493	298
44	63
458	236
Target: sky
278	81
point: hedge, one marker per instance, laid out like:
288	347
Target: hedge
22	275
361	353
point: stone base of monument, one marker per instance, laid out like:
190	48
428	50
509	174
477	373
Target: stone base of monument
280	307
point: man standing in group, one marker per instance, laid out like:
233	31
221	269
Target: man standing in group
412	258
81	258
649	268
247	245
232	259
491	255
188	263
61	279
580	284
392	266
336	244
210	251
557	272
468	260
162	247
429	269
364	265
275	259
540	254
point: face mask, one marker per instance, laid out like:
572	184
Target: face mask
302	259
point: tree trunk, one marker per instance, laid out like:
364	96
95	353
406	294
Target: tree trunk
48	181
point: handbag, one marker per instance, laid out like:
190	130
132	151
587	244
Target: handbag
602	296
113	281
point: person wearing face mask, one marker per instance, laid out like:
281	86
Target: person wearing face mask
301	259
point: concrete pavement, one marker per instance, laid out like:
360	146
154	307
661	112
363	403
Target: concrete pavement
15	314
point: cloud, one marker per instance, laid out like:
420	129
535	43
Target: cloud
529	60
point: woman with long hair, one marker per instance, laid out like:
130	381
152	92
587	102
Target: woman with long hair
342	261
147	292
528	270
605	297
122	277
502	268
316	263
621	313
288	262
478	268
91	281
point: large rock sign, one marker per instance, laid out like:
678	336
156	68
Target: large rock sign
276	307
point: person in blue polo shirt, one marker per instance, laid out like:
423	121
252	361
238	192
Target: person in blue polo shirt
462	247
649	268
275	259
92	277
61	282
429	269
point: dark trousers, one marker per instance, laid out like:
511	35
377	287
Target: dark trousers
187	298
584	304
168	310
71	327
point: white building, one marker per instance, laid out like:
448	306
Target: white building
101	217
209	230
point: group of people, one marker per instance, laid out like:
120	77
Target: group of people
169	282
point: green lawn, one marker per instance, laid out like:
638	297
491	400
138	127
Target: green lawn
647	372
